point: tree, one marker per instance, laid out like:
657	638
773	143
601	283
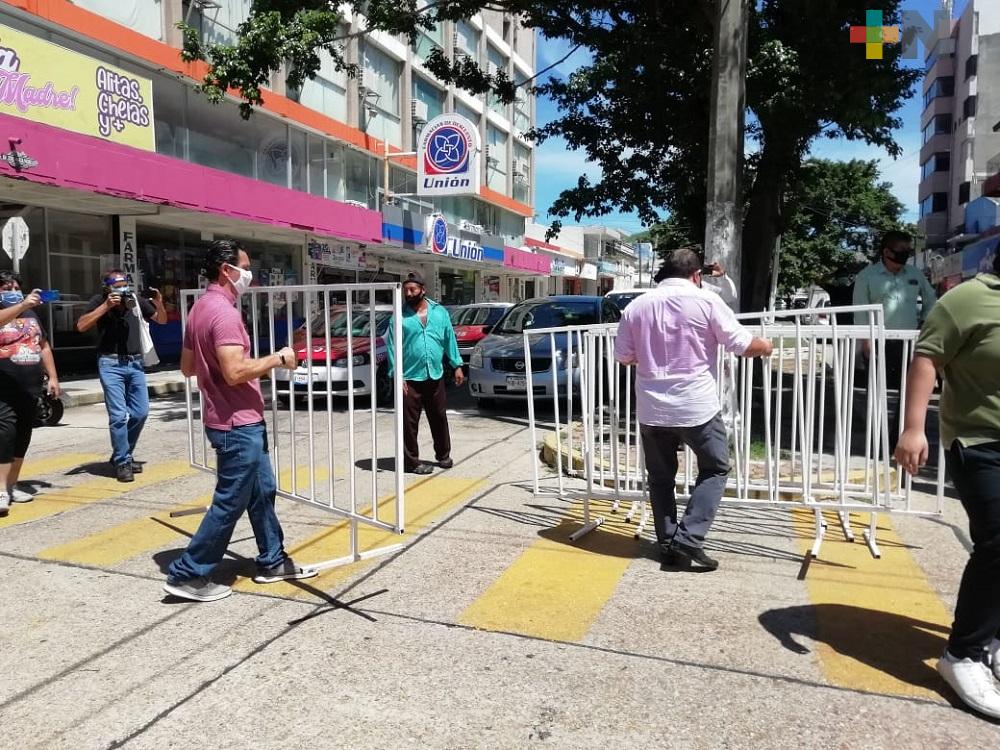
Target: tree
834	216
640	109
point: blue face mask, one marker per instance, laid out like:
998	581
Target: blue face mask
12	297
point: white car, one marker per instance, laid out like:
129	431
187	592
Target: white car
330	366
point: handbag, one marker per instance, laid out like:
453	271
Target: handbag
149	356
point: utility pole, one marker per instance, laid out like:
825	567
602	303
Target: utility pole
725	160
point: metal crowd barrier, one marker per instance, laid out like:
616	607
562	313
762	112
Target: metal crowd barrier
329	452
805	431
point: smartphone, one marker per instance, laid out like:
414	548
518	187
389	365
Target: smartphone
49	295
708	270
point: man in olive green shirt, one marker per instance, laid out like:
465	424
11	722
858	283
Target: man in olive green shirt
961	340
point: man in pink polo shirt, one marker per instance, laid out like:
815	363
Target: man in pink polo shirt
672	334
216	349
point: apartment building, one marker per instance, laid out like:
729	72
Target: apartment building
961	95
146	178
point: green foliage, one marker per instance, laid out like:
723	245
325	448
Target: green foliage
835	214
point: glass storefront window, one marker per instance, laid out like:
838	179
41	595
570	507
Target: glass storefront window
458	287
298	166
357	169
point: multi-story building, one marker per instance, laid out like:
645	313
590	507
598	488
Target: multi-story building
117	160
961	102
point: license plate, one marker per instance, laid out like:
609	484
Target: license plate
300	378
517	383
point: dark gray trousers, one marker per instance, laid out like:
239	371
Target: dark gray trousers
711	448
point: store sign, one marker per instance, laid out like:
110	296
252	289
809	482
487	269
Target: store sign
589	271
46	83
129	260
522	260
606	268
441	242
448	157
340	255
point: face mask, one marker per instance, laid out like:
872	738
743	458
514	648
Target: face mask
12	297
901	258
243	282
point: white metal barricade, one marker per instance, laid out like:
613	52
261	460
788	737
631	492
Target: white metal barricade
805	432
329	450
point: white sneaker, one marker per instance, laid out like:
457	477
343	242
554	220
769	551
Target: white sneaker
4	504
994	650
19	496
973	682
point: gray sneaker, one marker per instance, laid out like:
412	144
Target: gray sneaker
4	504
197	589
286	570
19	496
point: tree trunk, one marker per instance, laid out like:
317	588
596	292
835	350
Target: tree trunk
762	225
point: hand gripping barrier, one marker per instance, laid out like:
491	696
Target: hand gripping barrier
325	424
808	426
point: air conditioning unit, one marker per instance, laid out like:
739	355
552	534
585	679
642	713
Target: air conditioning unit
418	112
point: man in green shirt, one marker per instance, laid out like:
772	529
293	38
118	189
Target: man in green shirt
897	285
428	339
961	340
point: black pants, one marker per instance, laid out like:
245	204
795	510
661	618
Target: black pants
894	385
976	474
17	420
429	396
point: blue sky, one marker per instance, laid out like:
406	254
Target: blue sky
558	168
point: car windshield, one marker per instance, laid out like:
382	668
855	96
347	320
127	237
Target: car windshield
548	314
621	301
478	316
360	324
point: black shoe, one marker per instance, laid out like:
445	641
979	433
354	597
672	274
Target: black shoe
422	469
667	556
124	473
136	467
446	463
685	553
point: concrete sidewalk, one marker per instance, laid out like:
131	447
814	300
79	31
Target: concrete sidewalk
87	391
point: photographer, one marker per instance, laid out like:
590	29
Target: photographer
119	362
24	354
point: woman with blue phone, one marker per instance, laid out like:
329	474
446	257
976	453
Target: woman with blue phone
24	355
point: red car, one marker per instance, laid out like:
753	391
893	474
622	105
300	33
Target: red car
473	322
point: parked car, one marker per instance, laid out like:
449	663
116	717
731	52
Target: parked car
497	363
622	297
473	322
332	364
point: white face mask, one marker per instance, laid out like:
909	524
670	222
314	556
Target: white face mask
243	282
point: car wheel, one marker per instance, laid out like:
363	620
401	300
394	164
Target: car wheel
383	387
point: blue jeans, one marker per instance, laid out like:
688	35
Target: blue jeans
127	400
244	482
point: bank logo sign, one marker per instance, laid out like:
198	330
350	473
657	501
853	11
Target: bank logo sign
43	82
441	242
448	157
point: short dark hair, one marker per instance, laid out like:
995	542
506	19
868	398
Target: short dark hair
894	236
680	263
109	272
9	277
219	253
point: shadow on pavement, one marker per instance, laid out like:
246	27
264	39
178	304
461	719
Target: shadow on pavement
891	643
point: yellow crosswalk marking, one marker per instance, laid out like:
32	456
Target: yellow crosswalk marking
36	467
557	588
424	502
124	541
880	624
92	491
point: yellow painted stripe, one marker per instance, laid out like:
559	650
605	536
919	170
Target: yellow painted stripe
36	467
124	541
557	588
880	625
424	502
92	491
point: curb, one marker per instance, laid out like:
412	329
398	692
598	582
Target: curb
86	398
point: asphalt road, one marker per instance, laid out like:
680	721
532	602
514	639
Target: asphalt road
487	629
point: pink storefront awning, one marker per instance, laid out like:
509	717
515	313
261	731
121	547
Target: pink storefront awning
522	260
90	164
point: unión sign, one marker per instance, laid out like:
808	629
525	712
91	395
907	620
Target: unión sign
448	157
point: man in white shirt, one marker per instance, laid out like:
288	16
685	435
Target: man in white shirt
672	335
